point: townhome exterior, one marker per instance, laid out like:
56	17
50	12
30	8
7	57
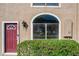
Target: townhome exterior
25	21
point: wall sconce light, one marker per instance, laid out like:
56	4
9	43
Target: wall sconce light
25	25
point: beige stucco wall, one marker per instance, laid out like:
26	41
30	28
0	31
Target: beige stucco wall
78	22
19	12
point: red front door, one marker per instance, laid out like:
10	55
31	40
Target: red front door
10	37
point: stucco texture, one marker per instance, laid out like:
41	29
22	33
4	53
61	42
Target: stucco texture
24	11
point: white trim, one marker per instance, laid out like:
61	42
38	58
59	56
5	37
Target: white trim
43	14
46	31
46	6
10	54
3	22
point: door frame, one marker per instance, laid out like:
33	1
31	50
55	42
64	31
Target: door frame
3	39
43	14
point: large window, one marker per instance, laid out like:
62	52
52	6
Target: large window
45	27
45	4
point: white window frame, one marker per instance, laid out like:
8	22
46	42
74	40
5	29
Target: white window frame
3	22
43	14
47	6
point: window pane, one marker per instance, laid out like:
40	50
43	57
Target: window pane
52	31
46	19
38	4
38	31
52	4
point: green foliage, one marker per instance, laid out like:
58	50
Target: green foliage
48	48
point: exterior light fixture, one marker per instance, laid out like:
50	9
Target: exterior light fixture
25	25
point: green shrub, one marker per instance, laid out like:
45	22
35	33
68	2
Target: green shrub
48	48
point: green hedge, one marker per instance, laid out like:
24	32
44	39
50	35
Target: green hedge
48	48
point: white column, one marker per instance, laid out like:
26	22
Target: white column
46	31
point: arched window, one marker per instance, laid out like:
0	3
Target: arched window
45	19
45	27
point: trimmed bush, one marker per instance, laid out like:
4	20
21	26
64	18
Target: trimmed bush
48	48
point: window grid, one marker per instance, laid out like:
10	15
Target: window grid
45	28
